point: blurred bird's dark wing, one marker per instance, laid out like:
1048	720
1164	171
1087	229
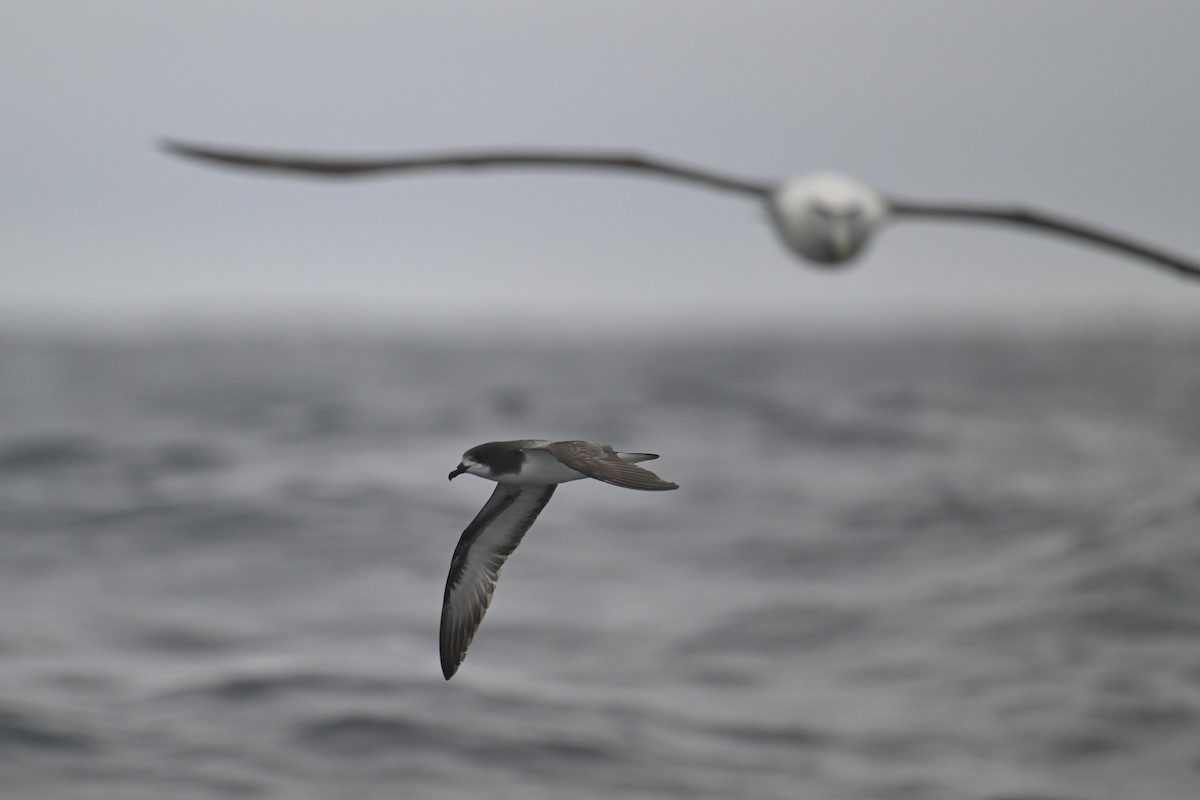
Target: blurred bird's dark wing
1034	218
338	166
483	548
603	464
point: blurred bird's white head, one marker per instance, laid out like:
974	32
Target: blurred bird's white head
826	217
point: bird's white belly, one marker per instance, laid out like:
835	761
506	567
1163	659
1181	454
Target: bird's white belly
541	468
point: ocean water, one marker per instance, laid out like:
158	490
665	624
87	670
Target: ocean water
927	567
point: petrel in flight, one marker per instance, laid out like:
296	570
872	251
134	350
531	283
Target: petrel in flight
526	471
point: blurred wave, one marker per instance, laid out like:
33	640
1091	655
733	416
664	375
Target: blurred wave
912	568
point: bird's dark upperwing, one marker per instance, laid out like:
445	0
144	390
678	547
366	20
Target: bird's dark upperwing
602	463
1033	218
483	548
337	166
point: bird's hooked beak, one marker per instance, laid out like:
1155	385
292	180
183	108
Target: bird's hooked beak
842	240
459	470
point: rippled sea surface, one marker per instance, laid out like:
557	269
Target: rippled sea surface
919	568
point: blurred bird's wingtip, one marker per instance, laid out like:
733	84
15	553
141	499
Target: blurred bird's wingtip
176	147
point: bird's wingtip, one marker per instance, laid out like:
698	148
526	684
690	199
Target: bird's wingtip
448	669
179	148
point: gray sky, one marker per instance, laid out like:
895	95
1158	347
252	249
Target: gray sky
1088	108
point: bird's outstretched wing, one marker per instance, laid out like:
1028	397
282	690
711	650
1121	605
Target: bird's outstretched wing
483	548
602	463
339	166
1052	223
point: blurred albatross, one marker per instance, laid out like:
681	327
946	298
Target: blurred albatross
824	217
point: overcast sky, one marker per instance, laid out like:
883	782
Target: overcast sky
1088	108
